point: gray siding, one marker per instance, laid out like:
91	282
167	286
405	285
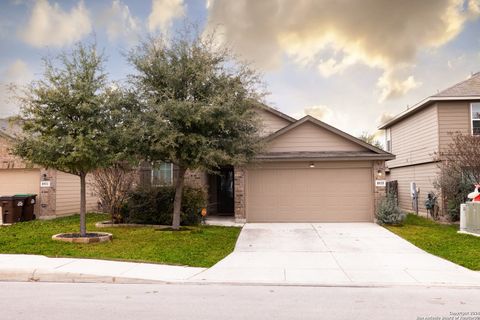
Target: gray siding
416	138
423	175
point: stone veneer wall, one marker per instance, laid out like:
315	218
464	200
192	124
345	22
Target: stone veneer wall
378	174
195	178
47	197
239	197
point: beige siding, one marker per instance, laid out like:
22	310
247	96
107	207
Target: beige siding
423	175
68	194
309	137
293	192
415	139
453	116
271	122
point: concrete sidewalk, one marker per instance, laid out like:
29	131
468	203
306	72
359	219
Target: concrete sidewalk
331	254
18	267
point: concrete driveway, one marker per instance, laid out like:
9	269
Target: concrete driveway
332	254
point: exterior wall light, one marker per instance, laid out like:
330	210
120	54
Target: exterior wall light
379	172
311	165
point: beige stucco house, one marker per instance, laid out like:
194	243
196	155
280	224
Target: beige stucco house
310	172
60	197
418	133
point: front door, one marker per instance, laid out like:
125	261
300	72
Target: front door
225	191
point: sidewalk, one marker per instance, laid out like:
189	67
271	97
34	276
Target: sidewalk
15	267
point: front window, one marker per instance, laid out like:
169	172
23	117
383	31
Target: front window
475	118
162	174
388	140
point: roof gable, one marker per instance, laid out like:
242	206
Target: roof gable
466	90
312	135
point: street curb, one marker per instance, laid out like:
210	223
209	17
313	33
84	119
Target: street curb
39	275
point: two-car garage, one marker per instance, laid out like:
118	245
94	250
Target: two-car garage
310	192
312	172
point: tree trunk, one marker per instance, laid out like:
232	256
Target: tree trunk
177	202
83	205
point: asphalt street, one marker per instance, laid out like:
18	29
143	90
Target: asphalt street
214	301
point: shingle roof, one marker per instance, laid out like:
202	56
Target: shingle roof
467	88
9	128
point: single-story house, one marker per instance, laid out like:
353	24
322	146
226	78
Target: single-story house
309	172
58	193
419	133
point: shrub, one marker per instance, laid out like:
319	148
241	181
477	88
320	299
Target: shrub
388	212
155	206
113	185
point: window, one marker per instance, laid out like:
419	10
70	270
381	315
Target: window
388	140
475	116
162	174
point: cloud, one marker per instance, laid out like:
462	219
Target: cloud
120	23
51	25
393	86
333	35
385	117
323	113
16	73
163	13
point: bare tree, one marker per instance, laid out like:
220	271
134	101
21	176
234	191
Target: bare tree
459	166
113	185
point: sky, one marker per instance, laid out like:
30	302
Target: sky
350	63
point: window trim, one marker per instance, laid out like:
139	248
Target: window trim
471	118
388	138
152	176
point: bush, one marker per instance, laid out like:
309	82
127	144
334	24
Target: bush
155	206
388	212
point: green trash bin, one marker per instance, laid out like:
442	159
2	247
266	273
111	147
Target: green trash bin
29	200
11	209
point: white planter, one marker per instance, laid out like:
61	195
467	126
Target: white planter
470	218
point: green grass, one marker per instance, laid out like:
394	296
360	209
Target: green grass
441	240
201	246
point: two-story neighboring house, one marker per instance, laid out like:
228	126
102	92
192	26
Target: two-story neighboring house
418	133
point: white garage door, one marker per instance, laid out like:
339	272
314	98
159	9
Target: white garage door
15	181
332	192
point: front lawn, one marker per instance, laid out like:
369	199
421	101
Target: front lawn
201	246
441	240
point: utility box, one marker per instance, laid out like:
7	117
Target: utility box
470	218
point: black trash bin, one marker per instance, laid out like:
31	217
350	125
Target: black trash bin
29	201
11	209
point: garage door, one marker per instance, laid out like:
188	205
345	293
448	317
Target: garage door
328	193
15	181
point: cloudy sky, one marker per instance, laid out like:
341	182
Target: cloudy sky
350	63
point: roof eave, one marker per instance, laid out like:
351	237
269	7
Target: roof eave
325	158
421	105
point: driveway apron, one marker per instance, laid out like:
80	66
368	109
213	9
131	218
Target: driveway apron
332	254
